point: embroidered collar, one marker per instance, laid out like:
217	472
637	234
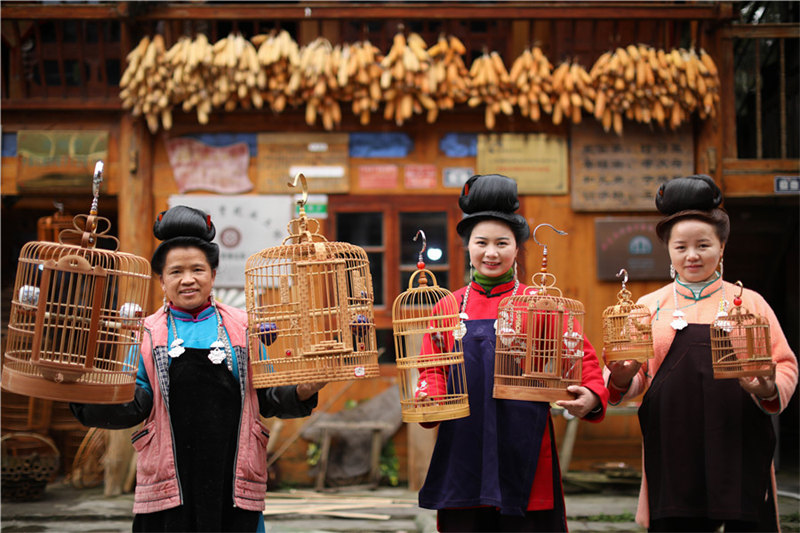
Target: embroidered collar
498	290
201	313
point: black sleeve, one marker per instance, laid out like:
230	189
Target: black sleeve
283	402
115	416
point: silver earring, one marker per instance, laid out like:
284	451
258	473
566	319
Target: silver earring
720	267
672	271
166	304
471	271
515	269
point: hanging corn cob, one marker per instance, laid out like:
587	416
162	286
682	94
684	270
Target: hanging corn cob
278	56
532	74
144	84
190	61
406	79
491	85
234	70
359	78
313	82
449	74
572	92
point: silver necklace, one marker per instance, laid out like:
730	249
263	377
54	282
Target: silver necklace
461	330
220	348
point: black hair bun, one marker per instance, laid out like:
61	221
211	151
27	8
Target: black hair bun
184	221
697	192
489	192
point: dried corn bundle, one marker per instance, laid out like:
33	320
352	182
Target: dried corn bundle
491	85
572	93
450	75
698	81
532	74
359	78
190	61
278	56
407	79
314	82
144	84
234	69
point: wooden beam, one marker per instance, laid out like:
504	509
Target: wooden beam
762	31
375	10
61	104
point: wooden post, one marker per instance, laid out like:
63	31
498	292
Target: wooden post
135	208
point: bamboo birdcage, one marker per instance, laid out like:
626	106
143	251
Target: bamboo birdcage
427	342
76	316
539	347
740	343
309	307
627	332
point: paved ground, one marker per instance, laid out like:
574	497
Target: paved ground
66	510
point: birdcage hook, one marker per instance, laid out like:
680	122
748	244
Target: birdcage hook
544	246
624	273
304	185
741	289
424	243
96	180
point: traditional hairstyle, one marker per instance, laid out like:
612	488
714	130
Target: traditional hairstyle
694	197
183	227
491	196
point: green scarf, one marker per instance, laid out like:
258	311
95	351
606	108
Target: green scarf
487	283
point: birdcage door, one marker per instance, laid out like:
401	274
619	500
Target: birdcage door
544	359
324	322
67	317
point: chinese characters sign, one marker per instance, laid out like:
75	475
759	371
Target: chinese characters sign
321	157
611	173
632	244
537	161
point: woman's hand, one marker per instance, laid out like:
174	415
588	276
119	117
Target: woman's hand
762	386
307	390
583	404
622	373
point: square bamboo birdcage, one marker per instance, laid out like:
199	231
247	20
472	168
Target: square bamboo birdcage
627	332
430	358
539	350
76	316
309	306
740	343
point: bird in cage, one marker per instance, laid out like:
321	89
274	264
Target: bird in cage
712	438
73	325
202	445
513	434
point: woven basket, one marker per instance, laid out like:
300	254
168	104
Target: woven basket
29	461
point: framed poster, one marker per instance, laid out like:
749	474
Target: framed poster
537	161
612	173
630	243
245	225
321	157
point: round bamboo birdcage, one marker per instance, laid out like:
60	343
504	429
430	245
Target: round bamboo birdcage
740	343
627	332
539	347
428	351
309	307
76	316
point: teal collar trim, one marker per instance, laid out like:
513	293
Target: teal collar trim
699	291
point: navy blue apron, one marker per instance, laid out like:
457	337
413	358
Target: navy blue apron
707	446
204	409
489	457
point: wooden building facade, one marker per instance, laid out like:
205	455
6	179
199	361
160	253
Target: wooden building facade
62	65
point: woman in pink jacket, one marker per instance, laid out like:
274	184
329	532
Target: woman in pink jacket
202	463
707	443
